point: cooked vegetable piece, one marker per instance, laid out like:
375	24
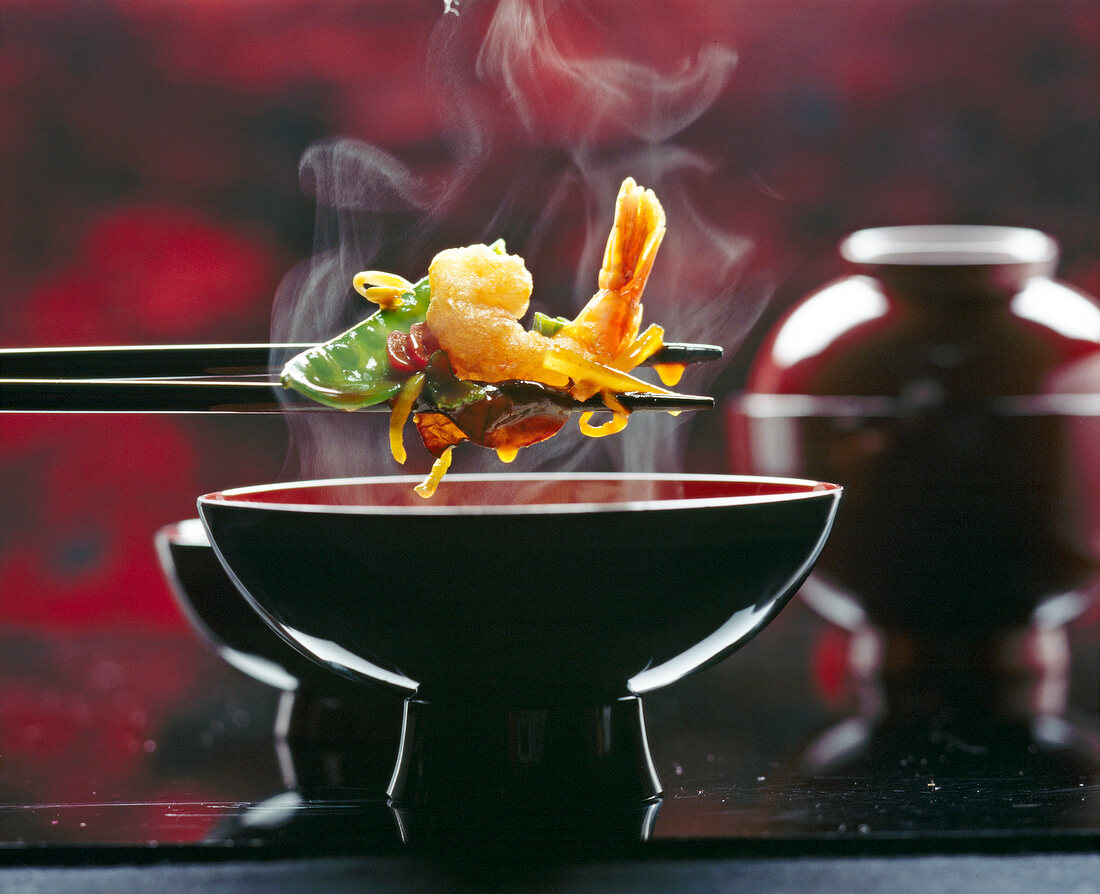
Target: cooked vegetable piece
353	371
447	391
548	326
426	488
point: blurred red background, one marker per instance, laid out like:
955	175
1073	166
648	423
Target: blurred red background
149	161
150	153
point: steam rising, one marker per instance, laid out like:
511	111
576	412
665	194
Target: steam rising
538	138
520	54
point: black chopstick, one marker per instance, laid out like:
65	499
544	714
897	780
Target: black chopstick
684	352
242	395
147	395
147	361
144	361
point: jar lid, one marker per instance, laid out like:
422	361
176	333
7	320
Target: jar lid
949	245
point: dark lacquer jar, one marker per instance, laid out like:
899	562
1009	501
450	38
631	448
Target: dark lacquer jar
953	387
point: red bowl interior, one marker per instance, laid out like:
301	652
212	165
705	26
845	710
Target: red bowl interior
487	492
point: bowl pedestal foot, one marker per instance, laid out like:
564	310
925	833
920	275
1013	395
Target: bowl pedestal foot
455	754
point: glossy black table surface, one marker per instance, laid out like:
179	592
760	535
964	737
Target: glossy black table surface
138	761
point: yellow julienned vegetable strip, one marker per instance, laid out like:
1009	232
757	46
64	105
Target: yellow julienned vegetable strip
613	426
593	377
388	287
641	349
439	468
383	297
399	415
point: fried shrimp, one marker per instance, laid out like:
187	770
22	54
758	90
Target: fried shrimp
479	296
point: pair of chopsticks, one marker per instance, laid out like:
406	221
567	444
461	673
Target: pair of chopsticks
227	378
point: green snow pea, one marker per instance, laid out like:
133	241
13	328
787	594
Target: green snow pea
351	371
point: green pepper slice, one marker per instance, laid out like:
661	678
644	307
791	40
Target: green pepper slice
548	326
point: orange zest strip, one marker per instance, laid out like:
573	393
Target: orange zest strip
641	349
380	287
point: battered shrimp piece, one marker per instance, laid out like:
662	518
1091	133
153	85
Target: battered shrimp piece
478	297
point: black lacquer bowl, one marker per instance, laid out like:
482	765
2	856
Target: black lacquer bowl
523	615
225	623
329	732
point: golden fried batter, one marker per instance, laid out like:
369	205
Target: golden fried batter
478	297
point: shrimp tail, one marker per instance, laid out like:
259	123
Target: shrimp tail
609	324
635	237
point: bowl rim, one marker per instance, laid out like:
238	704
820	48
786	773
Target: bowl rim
813	490
186	532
